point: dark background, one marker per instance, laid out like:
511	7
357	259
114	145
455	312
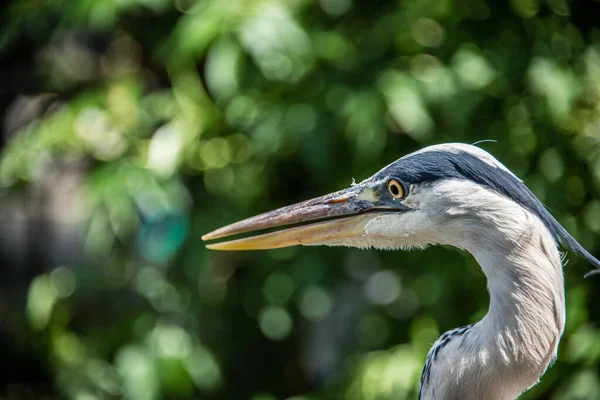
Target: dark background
132	127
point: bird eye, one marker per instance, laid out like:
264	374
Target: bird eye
396	188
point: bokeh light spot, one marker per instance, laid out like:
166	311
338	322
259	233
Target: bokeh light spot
315	303
427	68
138	372
69	349
203	369
383	287
63	282
164	150
428	32
551	165
592	215
275	322
216	153
171	341
473	70
41	299
279	288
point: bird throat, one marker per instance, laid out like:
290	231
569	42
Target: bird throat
518	338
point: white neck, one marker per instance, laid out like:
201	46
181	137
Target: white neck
511	347
526	316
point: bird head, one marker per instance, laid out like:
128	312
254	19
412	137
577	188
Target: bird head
442	194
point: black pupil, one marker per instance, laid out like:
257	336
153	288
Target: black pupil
395	190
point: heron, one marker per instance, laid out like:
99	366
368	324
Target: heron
459	195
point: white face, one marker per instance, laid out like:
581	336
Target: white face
454	212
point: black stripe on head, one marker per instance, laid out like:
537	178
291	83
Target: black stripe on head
434	165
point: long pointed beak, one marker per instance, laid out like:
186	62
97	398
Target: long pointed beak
344	212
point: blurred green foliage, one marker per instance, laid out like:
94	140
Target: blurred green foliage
132	127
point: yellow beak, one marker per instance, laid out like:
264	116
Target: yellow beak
343	211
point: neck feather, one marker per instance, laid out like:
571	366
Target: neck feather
513	345
510	348
527	304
